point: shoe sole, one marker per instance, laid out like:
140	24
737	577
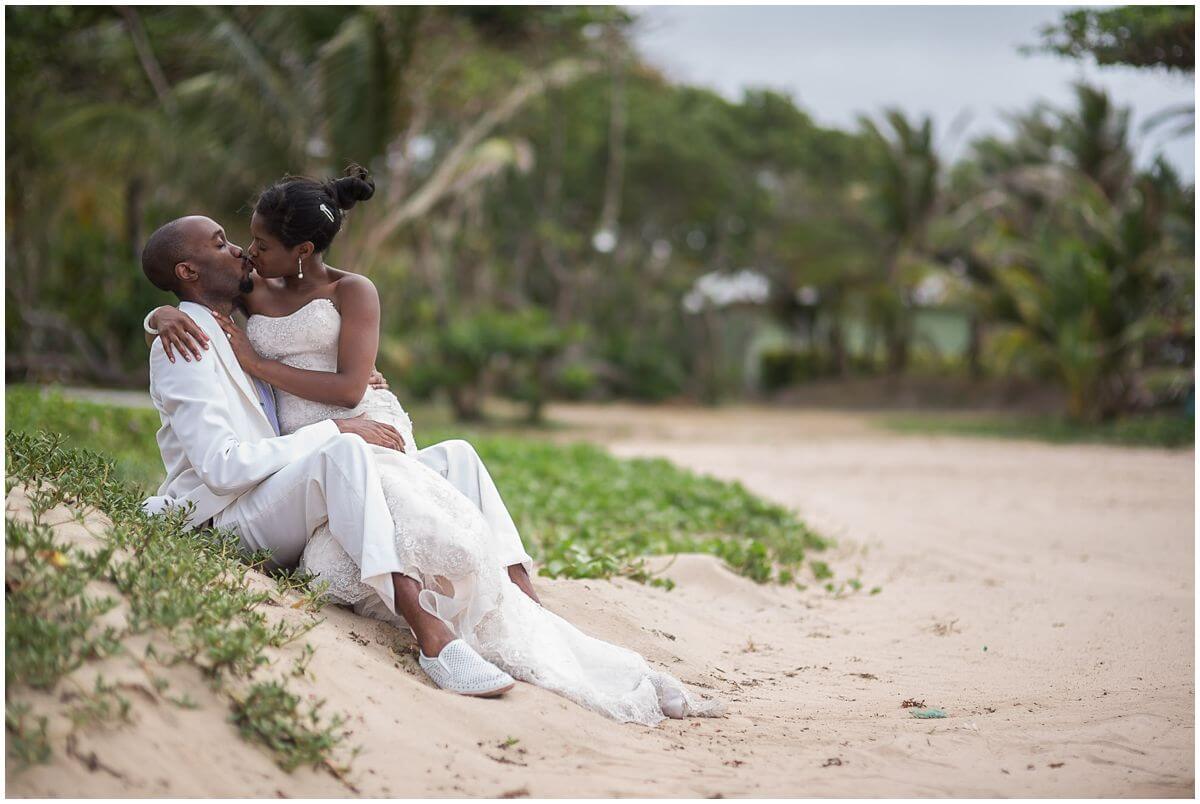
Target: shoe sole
489	693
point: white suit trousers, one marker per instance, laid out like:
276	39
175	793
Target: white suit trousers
340	483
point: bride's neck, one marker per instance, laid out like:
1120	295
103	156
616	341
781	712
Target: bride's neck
316	273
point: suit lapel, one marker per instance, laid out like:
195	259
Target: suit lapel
204	317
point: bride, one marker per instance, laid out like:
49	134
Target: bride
462	581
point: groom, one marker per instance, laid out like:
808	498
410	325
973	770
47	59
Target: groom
224	457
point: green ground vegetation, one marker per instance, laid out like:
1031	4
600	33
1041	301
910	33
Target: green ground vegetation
582	512
185	592
1163	430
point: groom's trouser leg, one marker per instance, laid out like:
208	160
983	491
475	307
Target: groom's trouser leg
339	483
457	461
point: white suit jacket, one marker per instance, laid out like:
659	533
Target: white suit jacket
216	441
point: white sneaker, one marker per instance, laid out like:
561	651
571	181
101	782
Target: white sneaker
458	668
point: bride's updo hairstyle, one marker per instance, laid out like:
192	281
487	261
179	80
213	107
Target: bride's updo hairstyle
297	209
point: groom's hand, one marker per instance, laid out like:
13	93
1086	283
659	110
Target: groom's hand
373	432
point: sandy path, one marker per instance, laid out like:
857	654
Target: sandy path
1072	565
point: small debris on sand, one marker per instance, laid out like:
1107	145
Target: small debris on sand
833	761
520	792
945	628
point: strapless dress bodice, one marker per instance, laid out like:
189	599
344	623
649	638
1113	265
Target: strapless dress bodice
308	339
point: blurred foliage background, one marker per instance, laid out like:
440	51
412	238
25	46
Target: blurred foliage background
555	219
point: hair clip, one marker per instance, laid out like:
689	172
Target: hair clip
328	214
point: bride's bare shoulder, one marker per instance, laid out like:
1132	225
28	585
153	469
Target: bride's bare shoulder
354	288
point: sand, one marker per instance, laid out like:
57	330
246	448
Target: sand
1043	596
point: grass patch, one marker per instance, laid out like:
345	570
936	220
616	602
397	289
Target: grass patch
582	512
49	622
25	735
592	515
1142	431
126	435
295	735
189	587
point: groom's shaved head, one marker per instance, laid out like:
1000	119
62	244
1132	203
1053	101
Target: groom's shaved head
192	258
171	244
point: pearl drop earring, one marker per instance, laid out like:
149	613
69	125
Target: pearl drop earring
300	266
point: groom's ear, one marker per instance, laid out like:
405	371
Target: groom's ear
185	273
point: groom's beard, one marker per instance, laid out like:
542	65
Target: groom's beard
246	286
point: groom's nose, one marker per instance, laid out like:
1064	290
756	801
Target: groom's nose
236	250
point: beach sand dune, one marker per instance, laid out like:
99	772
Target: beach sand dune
1041	595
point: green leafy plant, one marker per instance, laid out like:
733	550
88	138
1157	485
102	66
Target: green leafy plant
271	715
1157	430
189	586
582	512
26	735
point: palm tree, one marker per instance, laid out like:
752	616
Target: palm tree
1075	256
1095	137
905	198
1087	295
199	107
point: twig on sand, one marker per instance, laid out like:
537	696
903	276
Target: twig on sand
89	759
340	775
946	628
520	792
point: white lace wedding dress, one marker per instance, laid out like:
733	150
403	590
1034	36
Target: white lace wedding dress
443	540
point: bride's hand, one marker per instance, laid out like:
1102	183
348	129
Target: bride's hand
243	350
377	381
177	329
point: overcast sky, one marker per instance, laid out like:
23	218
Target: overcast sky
838	61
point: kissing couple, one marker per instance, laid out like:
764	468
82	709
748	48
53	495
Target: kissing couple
283	433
